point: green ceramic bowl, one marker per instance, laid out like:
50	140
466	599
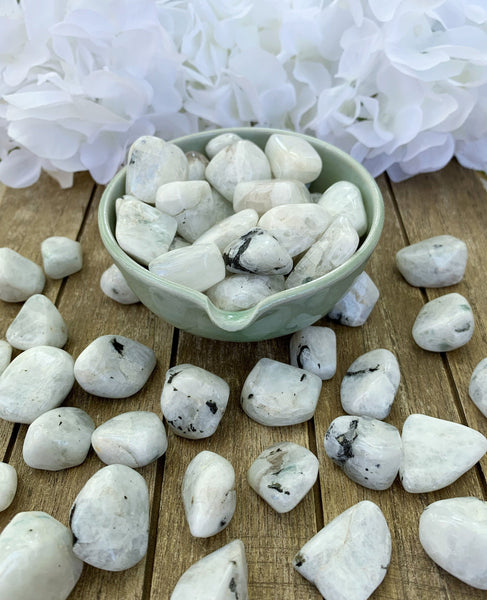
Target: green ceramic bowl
279	314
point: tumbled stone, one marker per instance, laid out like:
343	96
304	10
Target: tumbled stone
209	495
345	198
61	256
269	193
38	323
283	474
58	439
241	161
335	246
314	349
242	291
229	229
275	393
453	533
349	557
36	381
477	388
354	308
292	157
295	226
114	285
20	278
219	142
152	162
194	206
142	231
114	366
437	452
217	576
368	450
197	266
435	262
197	164
8	485
193	401
134	439
178	242
5	355
257	252
110	519
444	324
370	384
36	558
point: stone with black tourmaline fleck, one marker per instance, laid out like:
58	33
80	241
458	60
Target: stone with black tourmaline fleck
314	349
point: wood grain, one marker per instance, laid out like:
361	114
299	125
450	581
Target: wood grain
450	201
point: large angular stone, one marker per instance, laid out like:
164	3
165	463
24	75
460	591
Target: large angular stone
20	278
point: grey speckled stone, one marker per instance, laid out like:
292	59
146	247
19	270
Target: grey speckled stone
20	278
283	474
477	388
314	349
114	366
110	519
8	485
58	439
354	308
209	495
61	256
36	559
5	355
114	285
221	575
443	324
349	557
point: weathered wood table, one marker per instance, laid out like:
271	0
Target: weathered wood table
452	201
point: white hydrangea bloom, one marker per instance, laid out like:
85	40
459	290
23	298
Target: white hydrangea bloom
400	85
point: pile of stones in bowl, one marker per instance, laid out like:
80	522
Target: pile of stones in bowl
109	520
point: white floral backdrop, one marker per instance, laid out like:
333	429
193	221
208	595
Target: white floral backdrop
399	84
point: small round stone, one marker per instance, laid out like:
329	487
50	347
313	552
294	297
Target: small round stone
20	278
61	256
8	485
114	285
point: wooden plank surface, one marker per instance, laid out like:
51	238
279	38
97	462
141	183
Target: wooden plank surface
450	201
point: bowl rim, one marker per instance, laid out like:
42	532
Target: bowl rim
237	320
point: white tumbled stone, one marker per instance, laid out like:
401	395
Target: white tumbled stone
219	142
275	393
193	401
197	164
283	474
178	242
241	161
314	349
349	557
197	266
257	252
114	285
151	162
295	226
477	388
370	384
110	519
194	206
242	291
36	381
114	366
38	323
37	559
5	355
354	308
266	194
443	324
435	262
345	198
134	439
229	229
292	157
221	575
453	533
58	439
331	250
437	452
8	485
368	450
61	256
143	231
20	278
209	496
